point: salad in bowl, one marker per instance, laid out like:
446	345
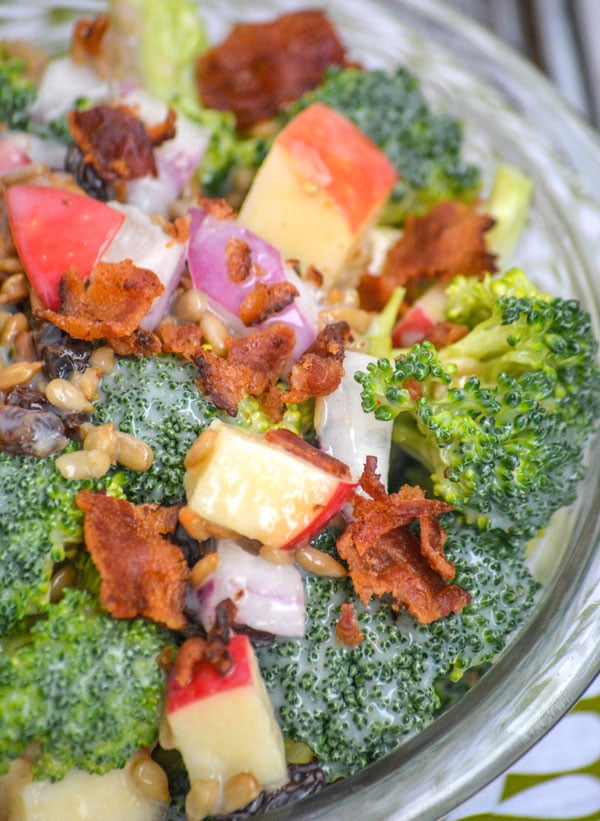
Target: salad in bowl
288	433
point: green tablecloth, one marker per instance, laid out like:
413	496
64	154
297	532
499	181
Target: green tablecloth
558	779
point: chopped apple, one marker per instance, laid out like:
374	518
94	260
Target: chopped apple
421	316
258	488
38	216
225	725
319	190
119	794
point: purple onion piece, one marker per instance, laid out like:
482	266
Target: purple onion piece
268	597
208	269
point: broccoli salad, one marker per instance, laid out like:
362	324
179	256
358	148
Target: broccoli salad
278	425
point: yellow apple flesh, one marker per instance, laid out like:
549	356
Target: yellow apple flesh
319	190
257	489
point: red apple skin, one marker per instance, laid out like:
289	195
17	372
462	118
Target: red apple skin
412	327
330	152
336	502
55	230
206	681
423	314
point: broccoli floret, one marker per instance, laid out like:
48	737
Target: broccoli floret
228	154
85	686
297	417
39	523
471	300
155	399
353	705
508	204
425	147
501	418
17	91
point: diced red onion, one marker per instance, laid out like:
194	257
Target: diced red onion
344	430
14	152
176	159
208	268
268	596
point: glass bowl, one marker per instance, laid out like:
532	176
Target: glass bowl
510	112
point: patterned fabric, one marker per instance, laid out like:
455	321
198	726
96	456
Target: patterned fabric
559	778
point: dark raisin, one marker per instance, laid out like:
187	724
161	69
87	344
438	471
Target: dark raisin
86	175
60	353
31	432
305	780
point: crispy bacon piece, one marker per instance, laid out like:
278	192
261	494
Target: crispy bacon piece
444	333
212	649
319	370
116	143
386	557
140	343
238	259
189	654
183	340
253	365
261	66
296	445
265	300
218	208
179	229
110	303
87	41
142	573
347	630
446	241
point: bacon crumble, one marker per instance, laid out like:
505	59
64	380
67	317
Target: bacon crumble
186	341
110	303
139	343
261	66
295	444
320	369
179	229
385	556
238	259
217	207
446	241
347	629
252	366
143	574
87	41
444	333
264	301
116	143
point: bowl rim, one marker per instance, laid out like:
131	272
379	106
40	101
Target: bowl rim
389	783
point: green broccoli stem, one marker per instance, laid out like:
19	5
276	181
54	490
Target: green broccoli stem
414	443
508	203
488	350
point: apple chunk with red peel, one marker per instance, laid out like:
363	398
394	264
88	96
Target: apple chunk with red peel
277	492
55	230
422	315
225	725
321	187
